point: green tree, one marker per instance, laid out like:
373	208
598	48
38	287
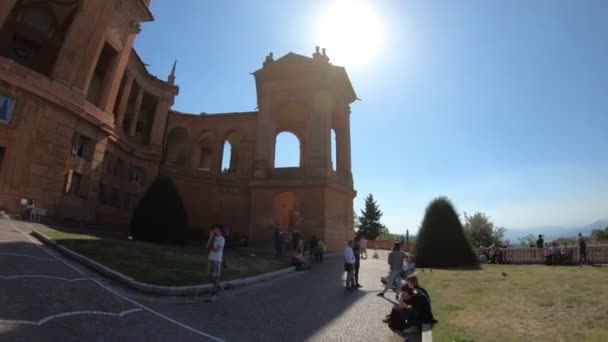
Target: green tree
369	224
599	235
441	240
527	241
160	215
482	231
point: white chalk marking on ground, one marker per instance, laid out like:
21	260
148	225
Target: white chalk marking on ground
20	276
71	313
185	326
28	256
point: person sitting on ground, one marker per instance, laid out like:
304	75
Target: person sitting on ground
413	310
300	262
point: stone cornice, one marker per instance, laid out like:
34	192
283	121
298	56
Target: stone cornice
136	10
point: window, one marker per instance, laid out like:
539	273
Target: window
73	183
7	105
135	175
82	147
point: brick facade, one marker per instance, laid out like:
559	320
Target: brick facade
91	128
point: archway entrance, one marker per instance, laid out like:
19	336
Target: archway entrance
286	211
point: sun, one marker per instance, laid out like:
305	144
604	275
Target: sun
351	31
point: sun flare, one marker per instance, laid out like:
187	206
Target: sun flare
351	31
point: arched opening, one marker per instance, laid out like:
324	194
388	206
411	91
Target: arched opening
177	147
206	153
287	150
230	153
34	32
334	144
286	210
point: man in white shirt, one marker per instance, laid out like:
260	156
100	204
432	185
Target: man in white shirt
349	266
215	245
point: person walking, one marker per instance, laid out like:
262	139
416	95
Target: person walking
215	245
349	263
395	260
363	244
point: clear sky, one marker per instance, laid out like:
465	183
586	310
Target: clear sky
500	105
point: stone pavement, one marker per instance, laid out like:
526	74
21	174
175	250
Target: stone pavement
44	299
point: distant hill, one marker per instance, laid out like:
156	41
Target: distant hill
554	232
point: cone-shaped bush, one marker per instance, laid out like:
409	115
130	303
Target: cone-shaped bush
160	215
441	240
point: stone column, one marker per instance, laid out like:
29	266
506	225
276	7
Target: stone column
343	145
124	100
5	9
112	86
318	135
160	120
136	110
82	46
265	139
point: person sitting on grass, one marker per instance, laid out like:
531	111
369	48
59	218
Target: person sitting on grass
413	310
300	262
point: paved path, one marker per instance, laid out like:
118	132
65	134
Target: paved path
46	298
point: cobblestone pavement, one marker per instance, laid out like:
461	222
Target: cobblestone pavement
302	306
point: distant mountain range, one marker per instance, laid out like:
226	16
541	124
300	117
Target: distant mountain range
554	232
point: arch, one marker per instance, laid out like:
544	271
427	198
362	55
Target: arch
177	150
333	142
34	32
287	150
230	152
205	146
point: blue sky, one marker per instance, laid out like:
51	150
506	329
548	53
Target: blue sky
500	105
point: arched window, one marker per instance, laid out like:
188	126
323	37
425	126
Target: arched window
230	153
177	150
287	151
334	156
34	32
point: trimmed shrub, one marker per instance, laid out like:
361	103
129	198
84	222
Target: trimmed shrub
160	215
441	241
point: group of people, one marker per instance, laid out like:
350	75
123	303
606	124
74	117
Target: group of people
414	303
560	255
307	252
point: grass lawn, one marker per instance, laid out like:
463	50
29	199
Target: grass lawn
160	264
532	303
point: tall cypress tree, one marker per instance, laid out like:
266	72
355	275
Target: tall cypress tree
441	241
369	224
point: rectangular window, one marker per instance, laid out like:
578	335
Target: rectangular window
135	175
7	104
74	180
82	146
